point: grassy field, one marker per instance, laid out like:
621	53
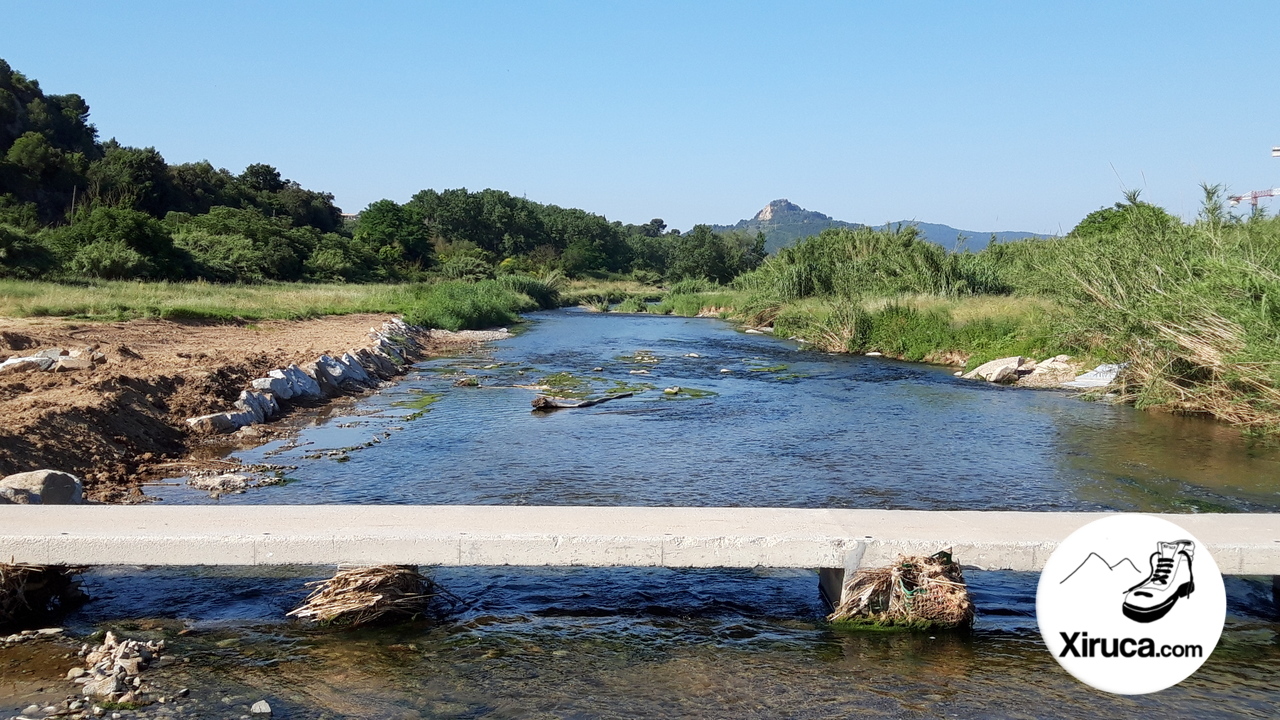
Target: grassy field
122	300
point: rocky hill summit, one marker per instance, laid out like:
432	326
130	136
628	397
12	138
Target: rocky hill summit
783	222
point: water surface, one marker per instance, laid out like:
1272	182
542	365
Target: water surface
787	427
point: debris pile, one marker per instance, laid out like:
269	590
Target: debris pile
362	595
35	591
915	592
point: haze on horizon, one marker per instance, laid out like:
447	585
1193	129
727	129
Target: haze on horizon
985	117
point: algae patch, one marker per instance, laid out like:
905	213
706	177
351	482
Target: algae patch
420	405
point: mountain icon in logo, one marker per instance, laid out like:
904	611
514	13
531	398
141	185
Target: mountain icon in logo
1097	571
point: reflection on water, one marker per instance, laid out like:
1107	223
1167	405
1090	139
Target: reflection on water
785	427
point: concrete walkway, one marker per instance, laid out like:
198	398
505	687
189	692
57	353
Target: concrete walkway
588	536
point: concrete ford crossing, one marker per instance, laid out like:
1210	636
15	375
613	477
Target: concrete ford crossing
834	542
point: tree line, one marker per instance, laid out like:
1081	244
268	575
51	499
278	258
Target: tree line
73	206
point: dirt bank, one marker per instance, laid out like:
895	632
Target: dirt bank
121	421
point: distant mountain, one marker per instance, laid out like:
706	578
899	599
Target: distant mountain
783	222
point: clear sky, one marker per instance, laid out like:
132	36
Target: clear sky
980	115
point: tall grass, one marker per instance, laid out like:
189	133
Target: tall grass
461	305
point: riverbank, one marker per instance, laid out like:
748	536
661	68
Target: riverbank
116	414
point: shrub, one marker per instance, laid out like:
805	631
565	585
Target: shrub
21	256
110	260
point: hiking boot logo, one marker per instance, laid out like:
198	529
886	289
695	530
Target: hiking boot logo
1171	578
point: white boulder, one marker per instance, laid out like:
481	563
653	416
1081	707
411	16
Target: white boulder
997	371
49	486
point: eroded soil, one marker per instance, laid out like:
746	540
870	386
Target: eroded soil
122	421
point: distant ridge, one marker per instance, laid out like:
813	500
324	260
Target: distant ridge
783	222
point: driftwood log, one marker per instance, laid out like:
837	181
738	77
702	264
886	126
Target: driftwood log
544	402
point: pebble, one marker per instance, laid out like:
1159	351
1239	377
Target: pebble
31	710
260	708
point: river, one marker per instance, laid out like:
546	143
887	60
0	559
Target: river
785	426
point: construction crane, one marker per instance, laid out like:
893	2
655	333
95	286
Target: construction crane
1253	196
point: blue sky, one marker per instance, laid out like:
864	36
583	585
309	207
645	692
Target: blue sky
985	116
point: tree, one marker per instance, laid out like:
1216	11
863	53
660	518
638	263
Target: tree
395	232
133	177
261	177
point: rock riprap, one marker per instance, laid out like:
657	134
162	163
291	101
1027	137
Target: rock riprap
325	377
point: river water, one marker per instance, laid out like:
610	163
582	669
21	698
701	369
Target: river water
785	426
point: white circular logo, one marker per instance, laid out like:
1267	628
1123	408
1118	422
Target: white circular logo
1131	604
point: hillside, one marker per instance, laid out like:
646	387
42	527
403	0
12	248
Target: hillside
783	222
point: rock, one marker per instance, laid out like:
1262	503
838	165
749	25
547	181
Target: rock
328	374
302	384
356	371
261	405
227	482
1050	373
53	487
218	423
276	385
1100	376
75	672
65	364
997	371
51	353
129	665
597	369
103	686
31	710
725	370
377	364
14	366
672	390
873	353
14	496
260	708
753	331
639	372
692	355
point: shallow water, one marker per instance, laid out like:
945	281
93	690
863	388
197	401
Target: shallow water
786	427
